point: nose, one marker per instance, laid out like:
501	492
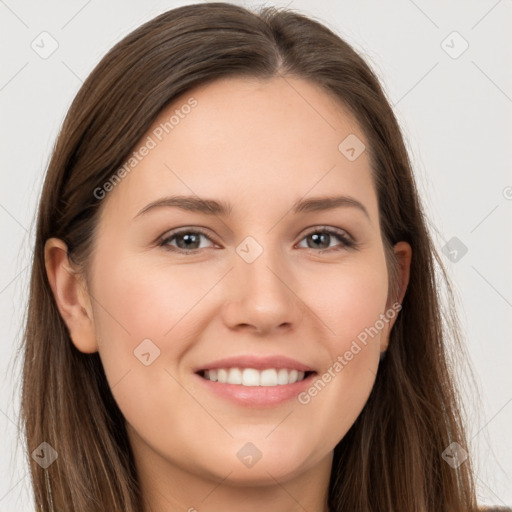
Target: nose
262	296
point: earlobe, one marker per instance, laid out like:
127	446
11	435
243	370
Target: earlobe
71	295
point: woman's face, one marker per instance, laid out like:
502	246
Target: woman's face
272	275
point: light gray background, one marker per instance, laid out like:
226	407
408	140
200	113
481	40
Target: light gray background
456	116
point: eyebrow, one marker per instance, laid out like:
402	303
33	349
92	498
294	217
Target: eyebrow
221	208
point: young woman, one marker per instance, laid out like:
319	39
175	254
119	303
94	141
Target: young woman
234	298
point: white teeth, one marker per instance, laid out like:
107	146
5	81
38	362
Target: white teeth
282	376
235	376
268	378
252	377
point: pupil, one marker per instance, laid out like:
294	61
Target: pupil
316	237
187	237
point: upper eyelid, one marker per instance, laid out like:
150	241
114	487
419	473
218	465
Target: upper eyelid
331	229
171	234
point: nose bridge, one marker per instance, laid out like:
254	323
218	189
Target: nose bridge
259	266
262	294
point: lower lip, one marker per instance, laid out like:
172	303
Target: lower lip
257	396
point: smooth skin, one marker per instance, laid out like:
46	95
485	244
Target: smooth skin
260	146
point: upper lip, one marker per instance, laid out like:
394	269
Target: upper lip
256	362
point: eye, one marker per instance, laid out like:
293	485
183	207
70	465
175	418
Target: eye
187	241
321	238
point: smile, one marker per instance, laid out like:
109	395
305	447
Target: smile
254	377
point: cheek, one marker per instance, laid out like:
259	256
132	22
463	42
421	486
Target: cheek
142	316
352	304
144	326
348	299
141	300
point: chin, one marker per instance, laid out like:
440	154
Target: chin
262	461
263	473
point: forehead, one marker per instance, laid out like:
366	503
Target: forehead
248	139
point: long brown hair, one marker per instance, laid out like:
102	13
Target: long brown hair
391	458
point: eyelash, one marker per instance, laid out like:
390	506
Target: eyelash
346	241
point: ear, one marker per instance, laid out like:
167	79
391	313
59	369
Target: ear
403	256
71	295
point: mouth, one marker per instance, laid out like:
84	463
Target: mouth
255	388
250	380
251	377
